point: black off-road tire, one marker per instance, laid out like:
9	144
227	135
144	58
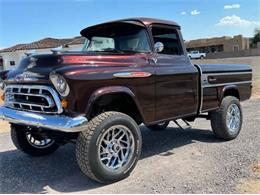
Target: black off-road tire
159	126
219	119
20	141
87	147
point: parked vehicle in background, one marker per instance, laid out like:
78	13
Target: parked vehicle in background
196	55
131	71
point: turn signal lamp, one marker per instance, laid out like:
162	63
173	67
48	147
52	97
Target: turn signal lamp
64	103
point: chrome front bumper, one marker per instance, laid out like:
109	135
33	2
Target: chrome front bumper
53	122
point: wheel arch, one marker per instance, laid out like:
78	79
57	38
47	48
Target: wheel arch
230	90
106	98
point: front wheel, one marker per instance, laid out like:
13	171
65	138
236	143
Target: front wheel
226	122
108	150
32	143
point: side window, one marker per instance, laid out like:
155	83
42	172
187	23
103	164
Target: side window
170	39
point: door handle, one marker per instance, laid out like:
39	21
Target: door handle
212	79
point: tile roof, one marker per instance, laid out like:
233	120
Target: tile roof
45	43
13	48
77	40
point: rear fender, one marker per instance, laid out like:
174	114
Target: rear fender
230	90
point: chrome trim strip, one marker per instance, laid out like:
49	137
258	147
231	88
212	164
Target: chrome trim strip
53	122
136	74
223	84
227	73
27	104
53	92
202	80
50	102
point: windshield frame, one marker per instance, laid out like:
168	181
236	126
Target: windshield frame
84	33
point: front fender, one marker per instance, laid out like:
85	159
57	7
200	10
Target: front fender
110	90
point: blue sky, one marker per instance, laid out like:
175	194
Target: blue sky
24	21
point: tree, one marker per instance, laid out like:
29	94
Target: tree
256	37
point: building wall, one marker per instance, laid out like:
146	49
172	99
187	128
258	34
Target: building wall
8	57
18	55
232	54
219	44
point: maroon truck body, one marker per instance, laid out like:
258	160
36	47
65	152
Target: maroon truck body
151	87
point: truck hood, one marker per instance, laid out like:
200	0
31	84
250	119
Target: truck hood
38	67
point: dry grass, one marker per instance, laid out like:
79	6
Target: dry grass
256	168
249	186
4	126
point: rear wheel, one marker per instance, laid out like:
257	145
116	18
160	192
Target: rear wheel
159	127
32	143
109	148
227	121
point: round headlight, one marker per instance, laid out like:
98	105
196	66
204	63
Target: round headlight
60	84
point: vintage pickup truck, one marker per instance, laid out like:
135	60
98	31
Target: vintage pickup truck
130	71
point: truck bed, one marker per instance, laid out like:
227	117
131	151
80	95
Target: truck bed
217	78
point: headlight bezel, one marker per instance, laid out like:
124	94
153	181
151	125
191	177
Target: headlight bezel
60	84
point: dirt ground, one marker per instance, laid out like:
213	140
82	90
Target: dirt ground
172	161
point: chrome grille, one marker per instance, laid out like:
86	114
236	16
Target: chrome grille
34	98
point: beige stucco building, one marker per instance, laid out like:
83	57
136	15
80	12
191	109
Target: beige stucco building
218	44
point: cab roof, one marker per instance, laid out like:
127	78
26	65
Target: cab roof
149	21
141	20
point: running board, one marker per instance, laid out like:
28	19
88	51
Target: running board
183	125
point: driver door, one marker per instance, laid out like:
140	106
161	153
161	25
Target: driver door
176	78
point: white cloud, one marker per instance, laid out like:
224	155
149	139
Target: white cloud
235	20
183	13
233	6
195	12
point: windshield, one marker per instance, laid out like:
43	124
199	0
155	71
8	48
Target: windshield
117	38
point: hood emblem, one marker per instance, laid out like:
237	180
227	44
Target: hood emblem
32	63
28	76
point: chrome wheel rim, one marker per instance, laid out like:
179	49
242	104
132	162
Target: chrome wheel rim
116	147
38	143
233	118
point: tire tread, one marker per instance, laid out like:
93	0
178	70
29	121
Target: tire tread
84	140
218	119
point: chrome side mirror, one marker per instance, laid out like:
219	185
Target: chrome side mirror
158	47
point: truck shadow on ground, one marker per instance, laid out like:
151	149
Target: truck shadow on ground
60	173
